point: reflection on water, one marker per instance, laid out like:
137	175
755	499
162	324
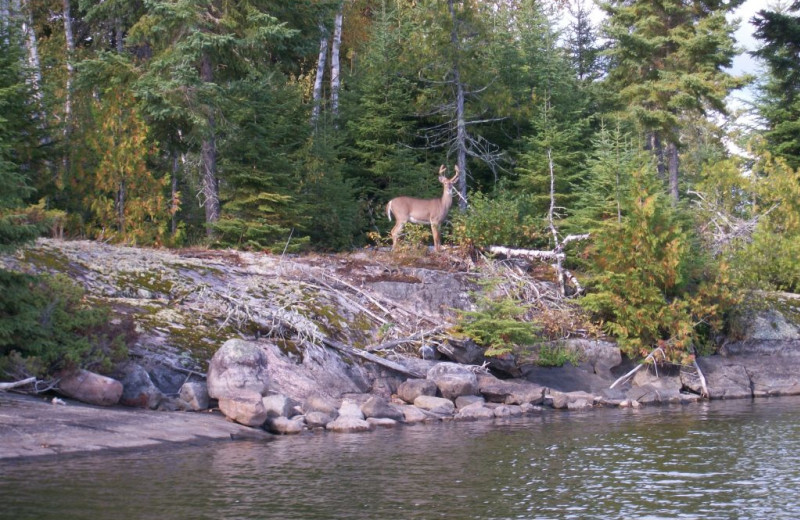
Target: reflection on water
737	459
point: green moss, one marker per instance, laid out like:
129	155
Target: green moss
150	281
48	260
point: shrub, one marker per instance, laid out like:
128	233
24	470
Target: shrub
46	324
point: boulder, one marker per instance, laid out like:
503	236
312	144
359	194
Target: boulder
283	425
599	356
505	410
278	405
464	351
246	408
138	389
453	380
509	392
413	388
379	408
463	401
412	414
195	394
315	419
383	422
321	403
473	412
725	378
562	400
238	368
348	424
436	405
351	409
651	388
88	387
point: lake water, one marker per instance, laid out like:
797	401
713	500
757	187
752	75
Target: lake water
726	460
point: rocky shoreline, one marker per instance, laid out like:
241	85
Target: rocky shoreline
325	382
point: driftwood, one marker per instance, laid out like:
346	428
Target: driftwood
16	384
638	367
397	367
410	339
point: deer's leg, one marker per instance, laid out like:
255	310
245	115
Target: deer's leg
396	230
436	237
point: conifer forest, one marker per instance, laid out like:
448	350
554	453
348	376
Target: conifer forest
287	126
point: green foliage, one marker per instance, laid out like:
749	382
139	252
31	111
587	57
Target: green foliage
500	322
47	325
557	356
648	291
504	219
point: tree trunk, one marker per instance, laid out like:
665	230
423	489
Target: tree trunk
208	153
4	19
70	42
461	127
32	48
337	42
317	94
175	202
672	157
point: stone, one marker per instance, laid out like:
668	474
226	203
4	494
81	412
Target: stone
453	380
473	412
283	425
195	394
278	405
320	403
561	400
579	404
504	410
238	368
463	401
317	419
89	387
246	408
351	409
725	378
413	388
412	414
509	392
348	424
650	387
383	422
436	405
379	408
138	390
464	351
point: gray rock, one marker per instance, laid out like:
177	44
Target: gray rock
246	408
351	409
474	412
348	424
579	404
379	408
436	405
278	405
464	351
320	403
413	388
138	389
453	380
725	378
509	392
88	387
383	422
562	400
316	419
283	425
412	414
195	394
238	368
463	401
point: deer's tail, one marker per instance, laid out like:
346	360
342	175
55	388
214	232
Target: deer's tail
389	211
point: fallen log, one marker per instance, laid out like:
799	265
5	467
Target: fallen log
397	367
16	384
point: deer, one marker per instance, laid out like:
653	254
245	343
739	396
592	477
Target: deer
422	211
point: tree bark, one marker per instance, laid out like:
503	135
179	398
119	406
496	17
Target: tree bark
208	153
317	94
32	48
335	66
70	47
672	158
461	127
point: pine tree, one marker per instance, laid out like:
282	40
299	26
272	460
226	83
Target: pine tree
779	100
668	58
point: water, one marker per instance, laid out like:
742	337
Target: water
736	459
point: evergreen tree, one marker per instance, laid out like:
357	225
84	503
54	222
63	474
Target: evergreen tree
668	58
779	100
